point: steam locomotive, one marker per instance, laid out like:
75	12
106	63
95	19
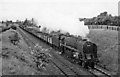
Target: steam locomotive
82	52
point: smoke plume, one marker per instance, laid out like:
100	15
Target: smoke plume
54	21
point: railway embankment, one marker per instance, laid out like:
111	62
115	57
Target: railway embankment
17	59
107	42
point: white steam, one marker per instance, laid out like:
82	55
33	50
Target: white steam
55	21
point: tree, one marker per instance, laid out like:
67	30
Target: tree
104	14
103	19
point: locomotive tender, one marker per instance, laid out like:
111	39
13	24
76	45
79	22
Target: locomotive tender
82	52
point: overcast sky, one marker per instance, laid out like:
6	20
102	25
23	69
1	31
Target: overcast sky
21	9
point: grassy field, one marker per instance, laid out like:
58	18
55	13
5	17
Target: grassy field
107	42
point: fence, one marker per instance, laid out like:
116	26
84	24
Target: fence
107	27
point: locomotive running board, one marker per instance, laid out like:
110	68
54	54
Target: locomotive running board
69	47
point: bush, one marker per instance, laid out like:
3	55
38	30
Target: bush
14	27
14	38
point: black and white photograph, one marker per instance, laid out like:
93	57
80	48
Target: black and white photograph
69	38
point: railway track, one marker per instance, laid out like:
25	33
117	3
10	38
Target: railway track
65	69
103	71
31	45
97	72
103	66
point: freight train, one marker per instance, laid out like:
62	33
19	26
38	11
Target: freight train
82	52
